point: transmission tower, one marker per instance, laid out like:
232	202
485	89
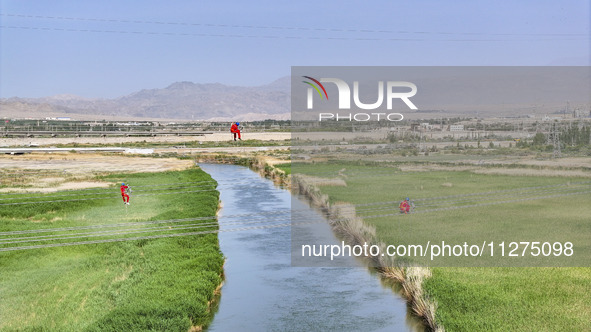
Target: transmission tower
554	139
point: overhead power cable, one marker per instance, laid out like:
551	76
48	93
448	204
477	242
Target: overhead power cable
74	228
212	224
474	197
480	193
133	231
480	204
276	37
114	196
115	185
112	191
140	227
275	27
152	237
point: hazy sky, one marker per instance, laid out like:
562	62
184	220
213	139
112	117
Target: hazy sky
112	48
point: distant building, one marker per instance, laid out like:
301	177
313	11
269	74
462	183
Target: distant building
426	126
551	118
456	127
61	118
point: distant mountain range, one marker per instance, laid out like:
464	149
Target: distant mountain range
180	100
443	92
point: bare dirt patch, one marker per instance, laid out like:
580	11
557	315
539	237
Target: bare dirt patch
70	185
569	162
67	171
533	172
324	181
72	163
553	168
560	162
274	161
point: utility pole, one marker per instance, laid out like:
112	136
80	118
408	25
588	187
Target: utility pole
420	140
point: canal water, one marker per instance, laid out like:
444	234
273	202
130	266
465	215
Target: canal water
263	292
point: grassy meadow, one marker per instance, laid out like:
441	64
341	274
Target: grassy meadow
284	167
498	297
145	284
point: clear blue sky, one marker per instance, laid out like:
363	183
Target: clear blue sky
255	42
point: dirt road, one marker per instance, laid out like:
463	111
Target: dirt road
215	137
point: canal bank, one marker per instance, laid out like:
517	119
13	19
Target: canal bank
263	292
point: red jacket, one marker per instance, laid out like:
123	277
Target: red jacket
234	128
123	189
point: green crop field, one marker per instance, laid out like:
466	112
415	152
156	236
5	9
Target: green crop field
284	167
143	284
458	206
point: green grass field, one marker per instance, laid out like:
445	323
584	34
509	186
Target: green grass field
148	284
481	298
284	167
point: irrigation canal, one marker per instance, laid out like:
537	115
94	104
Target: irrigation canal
264	292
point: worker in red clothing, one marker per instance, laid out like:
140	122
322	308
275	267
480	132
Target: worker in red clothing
124	190
235	130
405	206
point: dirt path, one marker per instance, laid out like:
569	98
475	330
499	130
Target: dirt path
234	150
215	137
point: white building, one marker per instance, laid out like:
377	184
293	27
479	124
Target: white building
426	126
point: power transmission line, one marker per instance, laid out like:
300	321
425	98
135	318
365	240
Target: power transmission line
113	186
132	231
479	194
470	197
219	35
114	196
146	237
74	228
254	227
481	204
213	224
111	192
301	28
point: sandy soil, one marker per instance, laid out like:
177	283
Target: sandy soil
75	171
74	163
71	185
274	161
232	150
